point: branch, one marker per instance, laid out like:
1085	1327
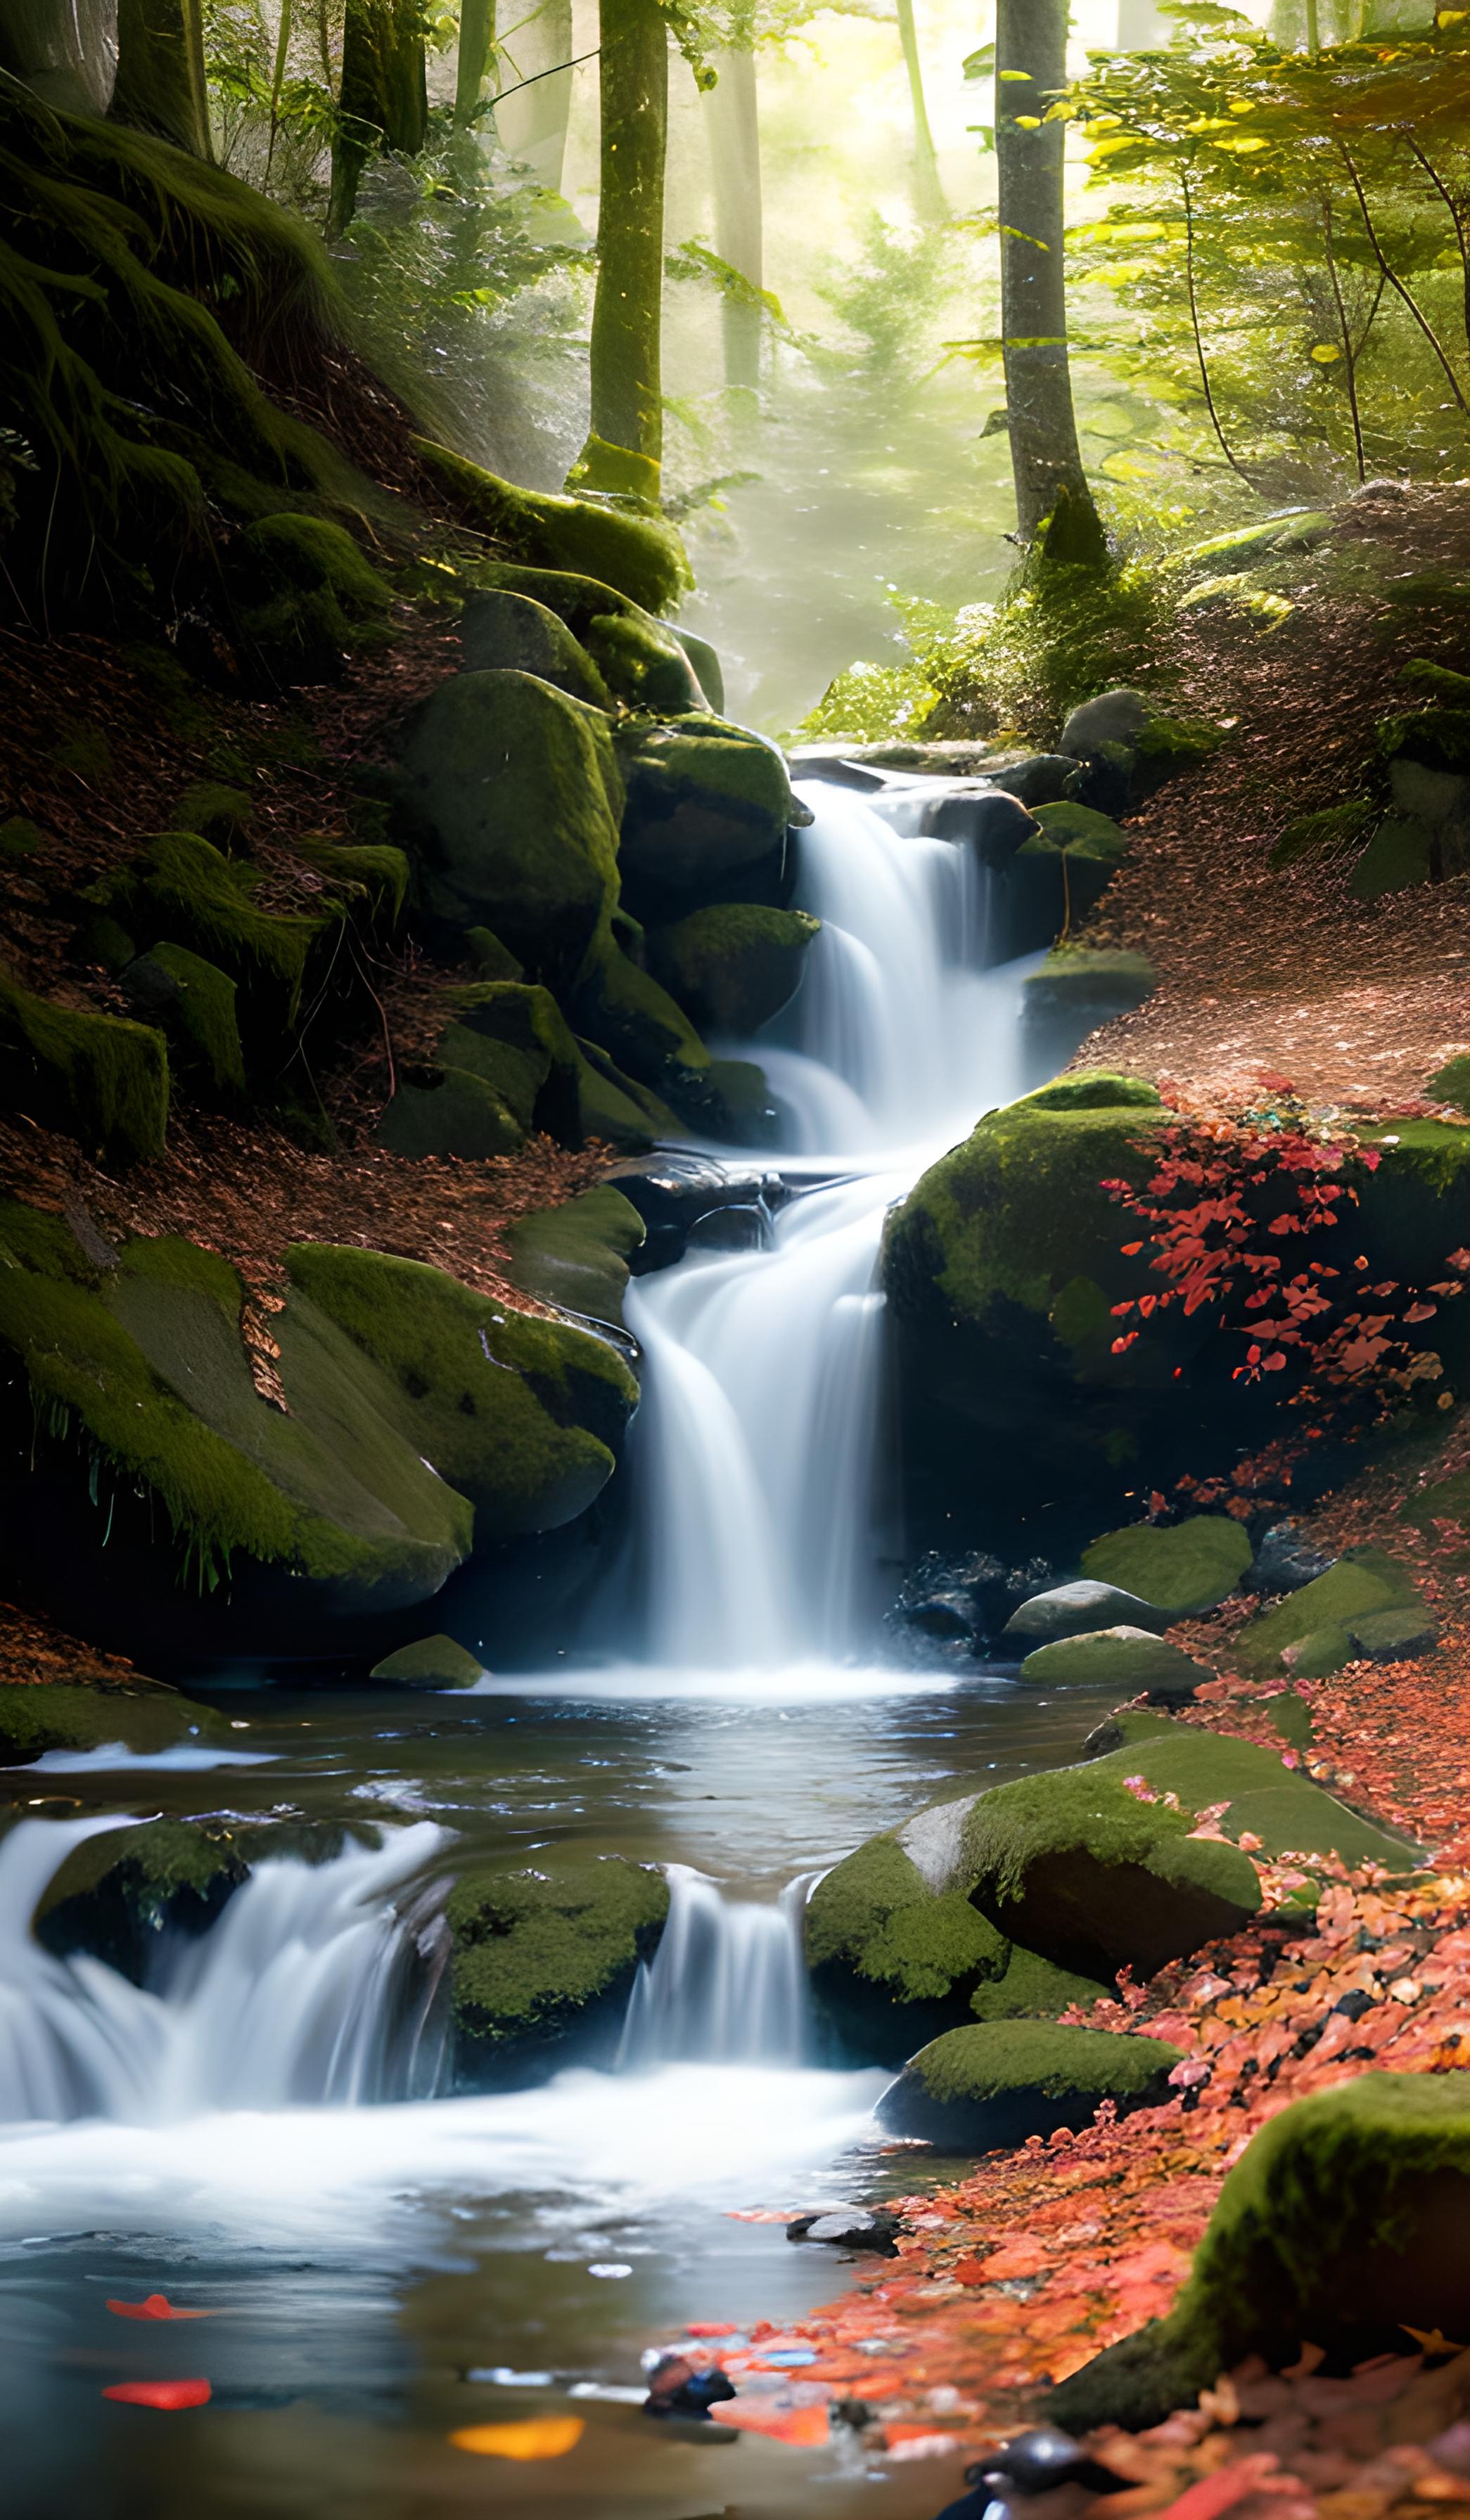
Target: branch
1394	281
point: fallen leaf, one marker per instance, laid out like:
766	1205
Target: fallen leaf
540	2437
165	2394
156	2306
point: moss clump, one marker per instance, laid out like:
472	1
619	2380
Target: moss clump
1451	1084
638	1025
367	875
891	1958
995	2084
1436	736
733	966
431	1662
1343	2222
98	1078
1033	1990
1362	1580
642	558
577	1255
20	838
216	812
1186	1567
118	1892
513	792
709	806
194	1001
445	1110
544	1960
1127	1659
506	1064
306	595
501	630
185	893
1330	833
64	1716
1081	831
518	1415
1397	856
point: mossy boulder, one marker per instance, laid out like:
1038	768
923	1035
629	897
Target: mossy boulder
512	792
1396	857
896	1953
640	556
1081	986
304	595
193	1003
1451	1083
431	1662
707	812
81	1716
181	891
1186	1567
543	1963
1128	1660
120	1891
621	1007
1346	2221
734	966
991	2085
1361	1581
500	631
98	1078
641	661
577	1255
1279	1805
1032	1989
442	1110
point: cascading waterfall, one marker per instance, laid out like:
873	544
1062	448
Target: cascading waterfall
727	1984
303	1992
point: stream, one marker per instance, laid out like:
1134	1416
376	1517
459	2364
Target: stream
257	2131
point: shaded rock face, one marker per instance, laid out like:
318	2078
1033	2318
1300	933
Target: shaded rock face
1078	1609
709	808
118	1894
995	2084
92	1714
1127	1659
956	1607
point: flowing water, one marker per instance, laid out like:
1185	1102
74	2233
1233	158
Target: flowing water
263	2127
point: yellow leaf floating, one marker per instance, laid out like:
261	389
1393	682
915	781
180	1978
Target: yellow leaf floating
1324	354
541	2437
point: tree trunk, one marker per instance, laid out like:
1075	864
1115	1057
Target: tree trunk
533	124
477	32
1030	39
65	52
384	97
733	123
1140	29
929	195
626	441
161	72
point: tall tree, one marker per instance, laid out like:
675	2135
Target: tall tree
161	72
624	445
472	62
733	123
1031	71
532	120
928	193
384	98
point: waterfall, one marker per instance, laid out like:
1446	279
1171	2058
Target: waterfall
728	1985
311	1990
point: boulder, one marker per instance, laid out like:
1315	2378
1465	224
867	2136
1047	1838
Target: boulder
1128	1660
989	820
304	596
1362	1580
709	807
120	1891
851	2226
503	632
734	966
639	659
512	792
193	1004
577	1255
639	555
1040	779
98	1078
893	1947
1285	1560
991	2085
95	1715
431	1662
1078	1609
1392	1636
543	1963
1032	1989
1346	2221
1183	1567
1081	986
1113	717
708	671
1280	1805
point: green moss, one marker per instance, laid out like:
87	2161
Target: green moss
1186	1567
1094	1089
995	2083
431	1662
1362	1579
616	1107
502	629
1451	1084
1437	737
20	838
1395	857
215	811
1249	542
734	966
194	1001
1033	1990
307	595
448	1110
492	961
577	1255
518	1414
545	1958
188	894
1126	1660
638	1024
1444	1501
1077	981
1440	681
1175	744
707	804
1340	2223
371	874
642	558
1433	1154
98	1078
1081	831
1328	833
874	1915
1284	1808
67	1716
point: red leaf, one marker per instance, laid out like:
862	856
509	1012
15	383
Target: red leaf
1422	1312
156	2306
168	2396
1130	1250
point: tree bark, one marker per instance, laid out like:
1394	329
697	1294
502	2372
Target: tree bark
533	124
733	124
626	441
929	194
384	97
472	62
161	72
1031	43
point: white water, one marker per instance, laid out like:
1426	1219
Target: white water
727	1984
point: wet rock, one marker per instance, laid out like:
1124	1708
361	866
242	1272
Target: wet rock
1041	2460
893	1947
708	811
998	2083
431	1662
1285	1561
678	2387
577	1255
1079	987
734	966
963	1600
993	822
118	1892
851	2226
499	630
673	1191
80	1716
1078	1609
1040	779
543	1961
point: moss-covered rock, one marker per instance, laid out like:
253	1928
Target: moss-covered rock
1362	1580
66	1715
643	559
120	1891
544	1962
642	662
501	631
1081	986
1451	1083
1393	1635
623	1007
1332	831
1127	1659
431	1662
1033	1989
577	1255
734	966
894	1953
512	792
709	807
306	595
1279	1805
1345	2222
98	1078
1186	1567
1397	856
182	892
447	1111
192	1001
991	2085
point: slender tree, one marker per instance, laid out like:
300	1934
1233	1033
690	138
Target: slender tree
625	439
161	72
532	121
733	123
472	63
384	98
1031	70
928	193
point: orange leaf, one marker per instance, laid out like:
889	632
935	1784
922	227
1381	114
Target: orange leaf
156	2306
165	2394
800	2427
540	2437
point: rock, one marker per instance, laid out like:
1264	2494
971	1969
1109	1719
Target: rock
641	557
851	2226
513	793
1346	2218
1279	1805
501	631
1284	1561
1079	987
894	1952
621	1007
993	2083
1040	779
304	596
639	659
1127	1659
543	1963
1393	1635
577	1255
678	2387
734	966
672	1190
98	1078
118	1892
709	807
966	1598
1397	856
1360	1581
709	672
193	1003
440	1111
1113	717
1078	1609
989	820
433	1662
1183	1567
1033	1989
63	1715
506	1063
1037	2462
